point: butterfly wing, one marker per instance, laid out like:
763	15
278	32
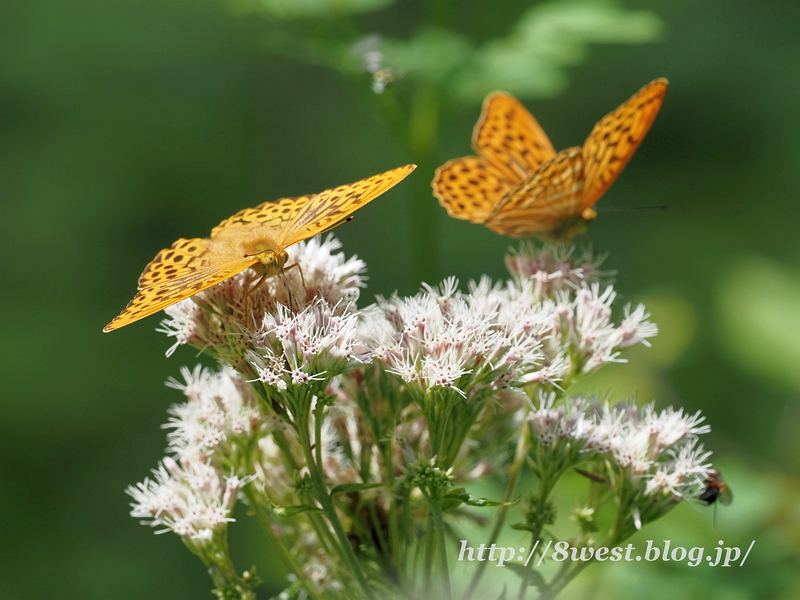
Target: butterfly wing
291	220
469	188
544	201
327	209
275	215
178	272
616	137
509	138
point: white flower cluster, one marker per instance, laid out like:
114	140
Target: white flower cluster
221	407
583	332
213	320
441	337
190	499
553	268
660	449
295	348
190	495
569	421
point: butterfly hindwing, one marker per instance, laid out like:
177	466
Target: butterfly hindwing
616	137
543	202
509	138
469	188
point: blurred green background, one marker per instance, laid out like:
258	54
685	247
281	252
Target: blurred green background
127	124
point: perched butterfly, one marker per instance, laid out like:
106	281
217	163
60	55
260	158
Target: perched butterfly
716	490
253	237
519	186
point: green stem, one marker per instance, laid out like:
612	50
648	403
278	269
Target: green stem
329	544
330	511
546	483
570	570
430	548
325	500
438	526
423	126
286	556
398	557
513	476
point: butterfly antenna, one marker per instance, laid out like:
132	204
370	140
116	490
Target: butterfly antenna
336	224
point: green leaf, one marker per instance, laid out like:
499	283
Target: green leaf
432	53
347	488
290	511
548	38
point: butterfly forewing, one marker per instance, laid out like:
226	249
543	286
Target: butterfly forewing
278	215
616	137
178	272
330	207
543	201
509	138
469	188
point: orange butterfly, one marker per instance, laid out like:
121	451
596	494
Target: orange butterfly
519	186
253	237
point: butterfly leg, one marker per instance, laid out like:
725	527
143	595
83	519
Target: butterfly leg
286	282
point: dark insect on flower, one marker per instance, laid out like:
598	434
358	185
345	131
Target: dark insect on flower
596	477
716	490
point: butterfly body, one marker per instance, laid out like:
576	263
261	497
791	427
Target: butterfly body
254	243
252	238
518	185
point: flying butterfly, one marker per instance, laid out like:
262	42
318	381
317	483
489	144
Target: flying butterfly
518	185
253	237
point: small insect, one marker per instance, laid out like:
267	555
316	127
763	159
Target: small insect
253	237
519	186
716	490
596	477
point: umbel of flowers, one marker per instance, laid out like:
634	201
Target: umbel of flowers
353	434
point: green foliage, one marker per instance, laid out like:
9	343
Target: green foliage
300	9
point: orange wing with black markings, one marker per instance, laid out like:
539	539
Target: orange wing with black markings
519	186
192	265
616	137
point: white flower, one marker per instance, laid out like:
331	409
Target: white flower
553	268
443	338
297	348
684	474
583	330
191	499
658	449
220	407
569	421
